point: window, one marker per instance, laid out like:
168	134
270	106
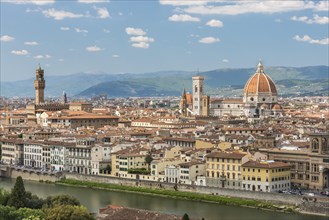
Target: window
251	99
315	179
195	89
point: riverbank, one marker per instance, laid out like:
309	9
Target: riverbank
222	200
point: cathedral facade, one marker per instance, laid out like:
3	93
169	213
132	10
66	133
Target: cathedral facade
260	99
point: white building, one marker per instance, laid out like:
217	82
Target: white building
172	173
100	158
79	156
33	155
188	172
12	152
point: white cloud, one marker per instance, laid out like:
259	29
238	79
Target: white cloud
135	31
321	6
182	2
120	13
20	52
142	45
215	23
93	1
316	19
102	12
61	14
141	39
78	30
278	20
28	10
65	28
61	60
209	40
306	38
115	56
243	7
106	30
6	38
183	18
93	49
31	43
225	61
33	2
38	57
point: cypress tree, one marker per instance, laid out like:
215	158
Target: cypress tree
18	194
185	217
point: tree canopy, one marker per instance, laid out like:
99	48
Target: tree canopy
68	212
18	194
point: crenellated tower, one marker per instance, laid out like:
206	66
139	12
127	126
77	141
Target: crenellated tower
39	85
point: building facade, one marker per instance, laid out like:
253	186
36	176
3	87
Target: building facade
266	176
310	167
224	169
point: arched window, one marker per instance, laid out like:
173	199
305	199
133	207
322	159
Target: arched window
201	89
315	145
195	89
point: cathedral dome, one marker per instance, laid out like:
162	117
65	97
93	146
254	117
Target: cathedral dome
260	83
276	107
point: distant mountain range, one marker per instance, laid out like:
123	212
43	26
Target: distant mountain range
290	81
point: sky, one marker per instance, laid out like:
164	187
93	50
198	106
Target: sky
102	36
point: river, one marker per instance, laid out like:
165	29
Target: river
94	199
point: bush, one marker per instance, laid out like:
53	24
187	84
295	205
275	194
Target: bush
68	212
141	171
58	200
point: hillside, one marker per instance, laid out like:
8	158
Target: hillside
167	82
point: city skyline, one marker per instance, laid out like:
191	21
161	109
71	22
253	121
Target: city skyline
137	37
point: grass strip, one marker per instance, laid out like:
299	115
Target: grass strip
222	200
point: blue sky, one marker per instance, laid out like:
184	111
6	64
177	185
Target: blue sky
143	36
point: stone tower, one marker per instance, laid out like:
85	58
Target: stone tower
197	94
64	98
39	85
183	103
205	105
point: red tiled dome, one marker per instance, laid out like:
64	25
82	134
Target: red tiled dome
260	83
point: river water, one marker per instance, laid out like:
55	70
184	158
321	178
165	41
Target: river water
94	199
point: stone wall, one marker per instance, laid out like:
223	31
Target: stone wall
278	198
30	175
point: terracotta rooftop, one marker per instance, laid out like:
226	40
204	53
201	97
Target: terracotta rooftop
267	165
120	213
226	155
260	83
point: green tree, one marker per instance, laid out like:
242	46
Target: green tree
33	201
18	194
148	160
68	212
61	200
185	217
29	214
7	212
4	196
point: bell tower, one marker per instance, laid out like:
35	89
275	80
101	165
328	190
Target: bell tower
39	85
